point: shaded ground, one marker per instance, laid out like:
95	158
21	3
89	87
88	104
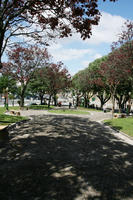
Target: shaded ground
93	115
65	158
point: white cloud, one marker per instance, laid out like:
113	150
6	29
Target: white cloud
85	63
98	55
55	46
68	54
106	32
108	29
77	53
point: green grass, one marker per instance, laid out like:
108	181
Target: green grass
69	111
40	107
8	119
89	109
3	109
123	124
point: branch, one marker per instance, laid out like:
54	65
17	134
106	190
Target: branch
6	40
15	14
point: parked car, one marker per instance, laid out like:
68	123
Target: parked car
33	104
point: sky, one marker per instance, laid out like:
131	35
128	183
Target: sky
76	54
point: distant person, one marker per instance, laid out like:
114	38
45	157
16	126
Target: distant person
59	104
70	104
18	102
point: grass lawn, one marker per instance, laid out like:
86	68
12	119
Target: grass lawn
123	124
70	111
3	110
40	107
8	119
89	109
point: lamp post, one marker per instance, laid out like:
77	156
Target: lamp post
6	98
129	103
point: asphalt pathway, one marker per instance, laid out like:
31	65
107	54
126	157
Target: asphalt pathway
93	115
55	157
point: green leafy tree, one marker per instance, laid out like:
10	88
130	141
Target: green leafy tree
83	84
125	41
57	79
76	88
38	85
23	63
117	69
123	94
100	87
7	83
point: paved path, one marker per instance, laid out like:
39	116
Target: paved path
55	157
94	115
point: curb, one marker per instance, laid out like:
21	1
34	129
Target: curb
13	125
121	135
117	131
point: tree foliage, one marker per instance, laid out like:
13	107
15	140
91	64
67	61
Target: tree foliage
57	79
38	84
23	63
83	85
100	86
7	82
51	80
45	19
111	74
117	69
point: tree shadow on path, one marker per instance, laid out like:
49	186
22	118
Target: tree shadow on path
65	158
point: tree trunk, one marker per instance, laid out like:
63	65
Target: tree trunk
55	100
2	32
120	107
113	94
23	88
22	101
49	101
77	101
5	101
122	99
119	99
113	105
101	106
85	102
41	99
103	99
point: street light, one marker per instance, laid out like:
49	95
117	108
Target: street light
129	103
6	98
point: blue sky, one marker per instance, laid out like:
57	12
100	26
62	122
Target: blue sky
76	54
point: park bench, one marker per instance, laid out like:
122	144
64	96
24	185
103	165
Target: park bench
120	115
13	112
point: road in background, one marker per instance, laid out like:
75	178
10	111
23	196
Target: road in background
27	102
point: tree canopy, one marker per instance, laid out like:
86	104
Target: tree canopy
45	19
22	64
